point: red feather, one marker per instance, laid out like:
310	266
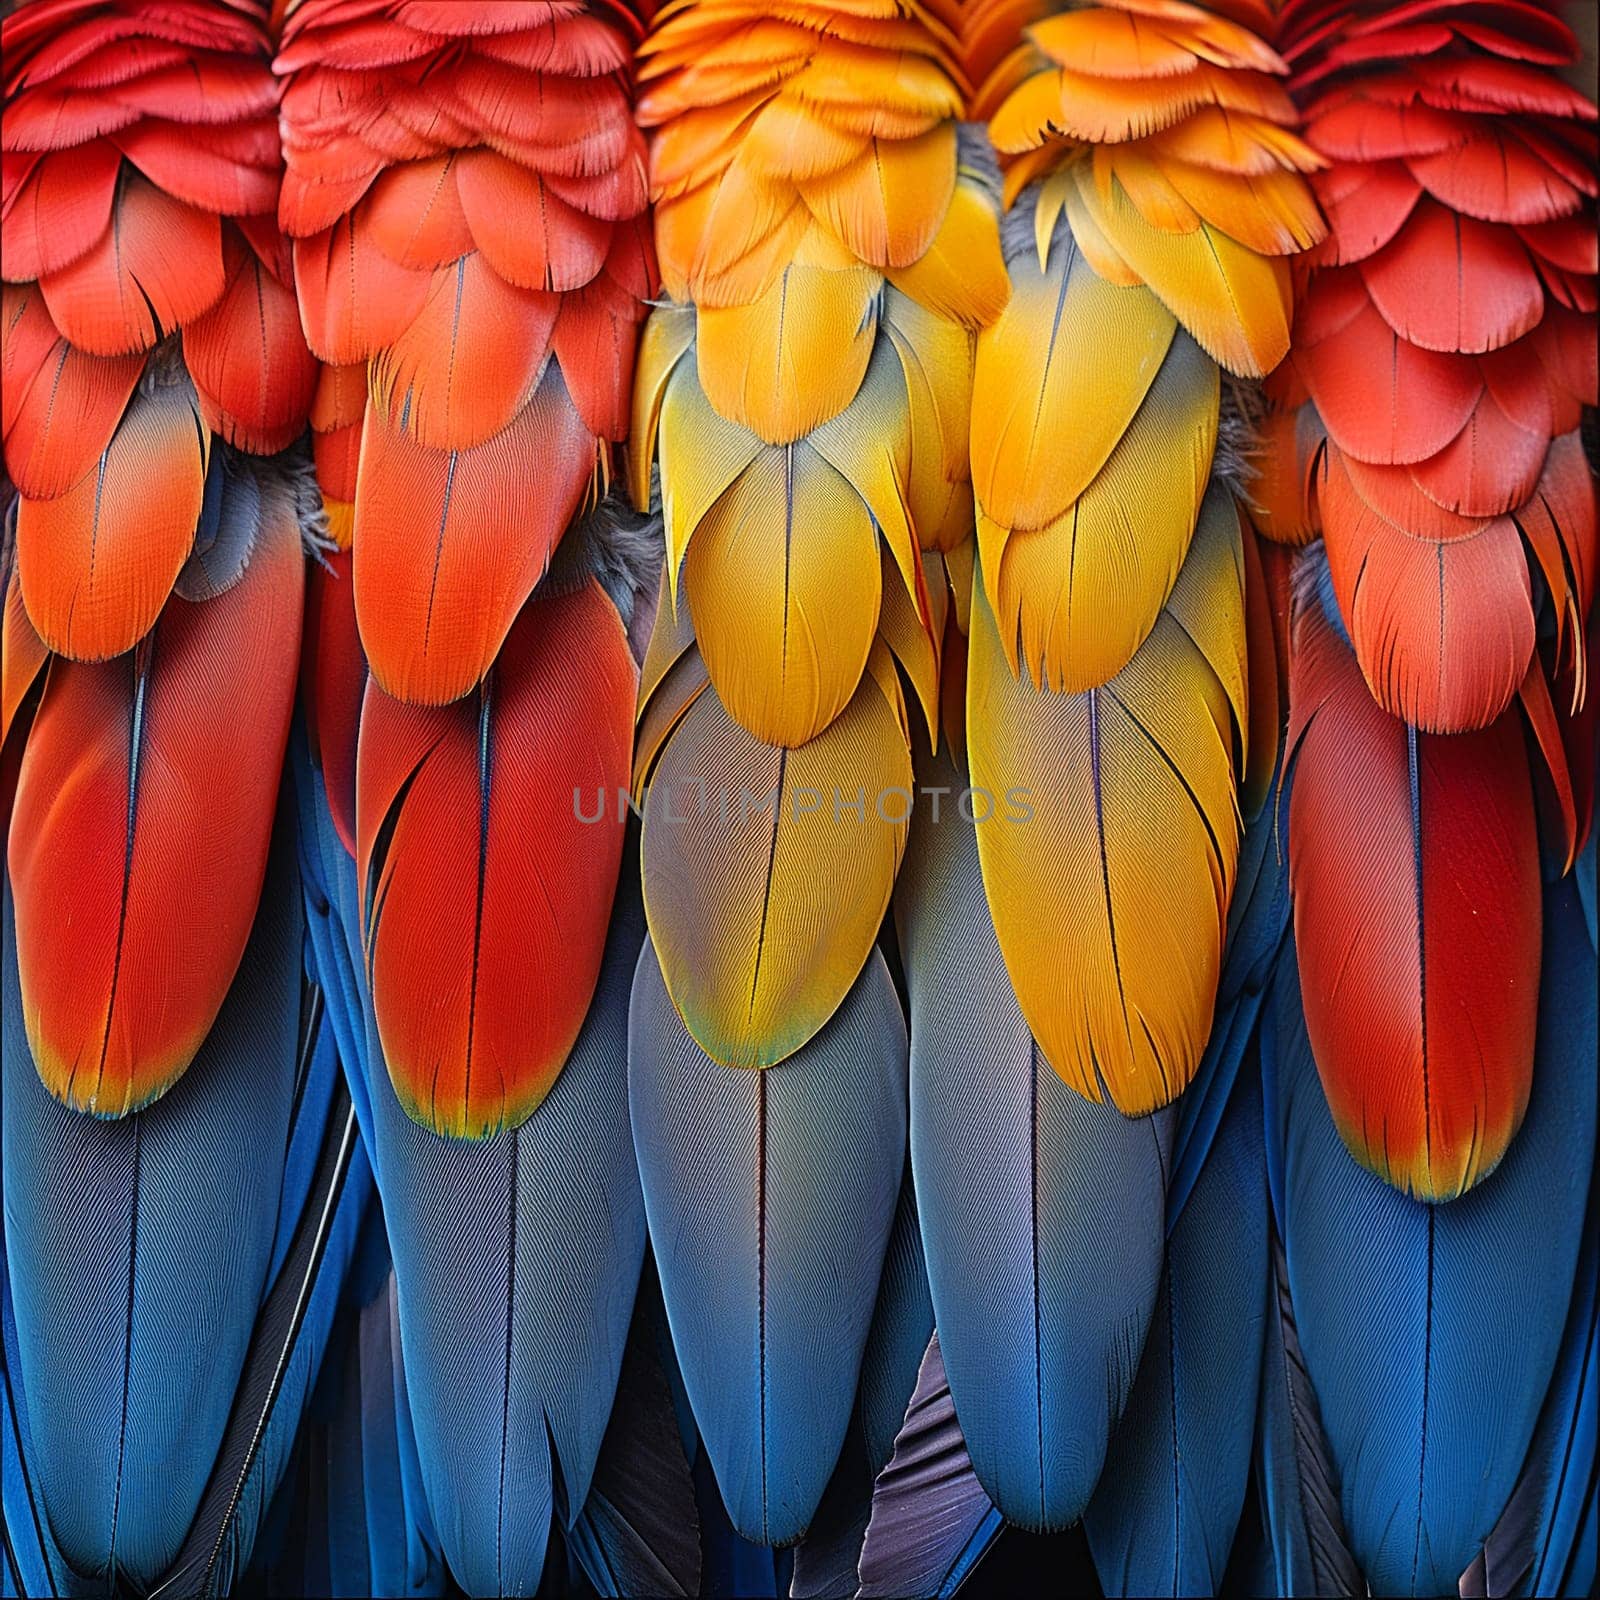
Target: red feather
449	545
416	216
1382	398
485	898
156	268
1366	206
1449	282
334	683
1443	626
146	802
469	360
527	232
249	360
99	561
60	416
232	171
353	298
1414	866
60	211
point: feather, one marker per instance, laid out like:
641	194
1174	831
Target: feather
248	360
638	1532
1383	398
353	298
1258	919
468	362
767	871
30	1558
1043	1278
526	231
795	356
1414	865
61	406
1296	1482
446	551
497	1246
1443	626
931	1521
138	1250
1450	283
60	210
1537	1547
486	873
315	1244
120	997
1079	391
154	270
885	206
1234	302
351	1517
1431	1332
825	1562
1104	923
99	561
785	619
1163	1518
333	684
771	1197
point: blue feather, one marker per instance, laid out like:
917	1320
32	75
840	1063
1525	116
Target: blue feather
1258	920
1583	875
1040	1210
138	1252
333	929
1163	1518
1298	1489
498	1246
825	1562
1431	1332
30	1560
733	1568
770	1196
1543	1543
286	1349
502	1249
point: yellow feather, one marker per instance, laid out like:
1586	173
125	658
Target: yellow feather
916	644
681	685
1234	302
722	243
936	357
795	355
1273	213
851	75
961	276
1147	185
869	445
887	205
671	638
1110	895
1029	110
667	335
783	579
1058	379
790	139
959	564
1098	250
701	454
764	909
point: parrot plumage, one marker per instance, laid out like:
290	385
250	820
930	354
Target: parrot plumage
182	1179
798	798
